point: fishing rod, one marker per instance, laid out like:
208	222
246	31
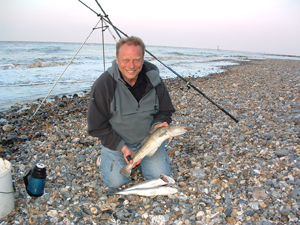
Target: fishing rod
189	84
102	17
108	18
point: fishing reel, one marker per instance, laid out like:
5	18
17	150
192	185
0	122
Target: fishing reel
188	85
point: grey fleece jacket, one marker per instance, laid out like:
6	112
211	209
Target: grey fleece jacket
117	118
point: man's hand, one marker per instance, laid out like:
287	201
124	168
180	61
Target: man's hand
164	124
128	152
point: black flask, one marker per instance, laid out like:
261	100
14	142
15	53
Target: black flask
35	180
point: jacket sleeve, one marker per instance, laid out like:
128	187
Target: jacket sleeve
166	107
99	113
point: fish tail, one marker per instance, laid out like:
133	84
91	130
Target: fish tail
126	170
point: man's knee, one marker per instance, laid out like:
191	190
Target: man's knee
111	182
112	178
157	171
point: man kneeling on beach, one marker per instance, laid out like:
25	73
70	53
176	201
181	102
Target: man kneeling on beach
127	101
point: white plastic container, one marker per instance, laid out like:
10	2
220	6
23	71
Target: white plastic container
7	200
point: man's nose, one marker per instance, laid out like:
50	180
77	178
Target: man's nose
131	64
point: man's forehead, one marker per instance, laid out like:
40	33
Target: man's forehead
130	57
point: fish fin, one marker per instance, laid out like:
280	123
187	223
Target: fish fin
169	140
163	134
126	170
146	138
153	130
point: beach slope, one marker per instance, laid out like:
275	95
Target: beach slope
226	172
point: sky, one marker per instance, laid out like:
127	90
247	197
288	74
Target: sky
268	26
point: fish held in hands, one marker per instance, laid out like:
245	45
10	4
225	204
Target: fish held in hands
150	145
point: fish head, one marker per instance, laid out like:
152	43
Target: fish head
174	131
169	181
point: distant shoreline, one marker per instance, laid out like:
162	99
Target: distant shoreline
220	49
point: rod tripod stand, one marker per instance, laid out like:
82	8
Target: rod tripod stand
105	22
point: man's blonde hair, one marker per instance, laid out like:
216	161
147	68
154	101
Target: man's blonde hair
132	40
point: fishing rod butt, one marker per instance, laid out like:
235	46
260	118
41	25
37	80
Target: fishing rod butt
235	119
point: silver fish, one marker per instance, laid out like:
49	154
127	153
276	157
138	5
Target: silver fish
148	191
164	180
150	145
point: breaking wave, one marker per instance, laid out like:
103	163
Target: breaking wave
176	53
33	65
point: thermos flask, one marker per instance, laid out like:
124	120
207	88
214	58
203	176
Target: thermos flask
35	180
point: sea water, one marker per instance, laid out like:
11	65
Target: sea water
31	70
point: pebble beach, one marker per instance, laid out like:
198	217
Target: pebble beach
225	172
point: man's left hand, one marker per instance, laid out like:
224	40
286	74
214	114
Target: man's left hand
164	124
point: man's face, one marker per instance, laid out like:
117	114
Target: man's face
130	61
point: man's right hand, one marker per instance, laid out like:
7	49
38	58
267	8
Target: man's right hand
128	152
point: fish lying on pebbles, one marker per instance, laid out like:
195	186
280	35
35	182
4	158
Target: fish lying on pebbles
220	176
155	191
151	187
163	180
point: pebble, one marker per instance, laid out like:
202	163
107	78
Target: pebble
7	128
226	172
296	194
